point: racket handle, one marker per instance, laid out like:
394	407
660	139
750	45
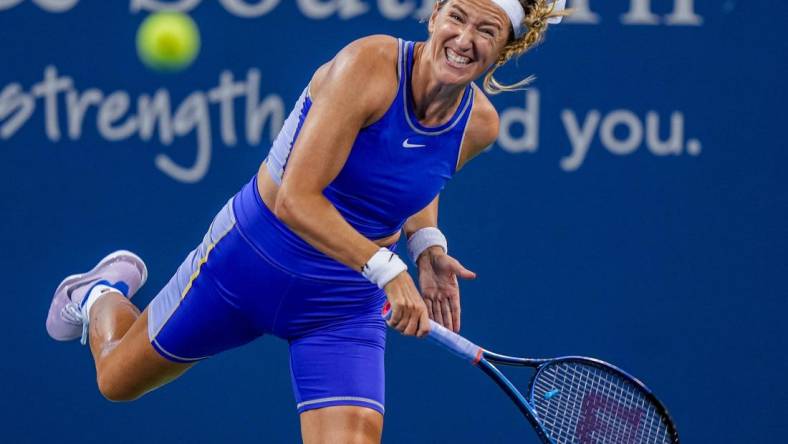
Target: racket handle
449	340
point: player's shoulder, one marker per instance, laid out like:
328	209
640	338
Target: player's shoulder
371	59
370	62
482	129
374	49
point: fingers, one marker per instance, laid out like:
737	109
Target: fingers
446	311
430	309
454	303
424	325
401	315
396	316
461	271
413	324
437	308
408	311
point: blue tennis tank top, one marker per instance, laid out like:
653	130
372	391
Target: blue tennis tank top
396	166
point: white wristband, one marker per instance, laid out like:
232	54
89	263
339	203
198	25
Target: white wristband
423	239
382	267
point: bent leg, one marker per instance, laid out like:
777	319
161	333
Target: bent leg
127	365
193	317
341	424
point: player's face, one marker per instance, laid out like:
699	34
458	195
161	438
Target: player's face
466	37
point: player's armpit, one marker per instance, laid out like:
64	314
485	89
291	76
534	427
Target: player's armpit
482	130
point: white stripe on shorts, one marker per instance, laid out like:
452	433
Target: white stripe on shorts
341	398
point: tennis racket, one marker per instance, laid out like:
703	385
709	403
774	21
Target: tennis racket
572	399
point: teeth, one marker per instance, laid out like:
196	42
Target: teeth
456	58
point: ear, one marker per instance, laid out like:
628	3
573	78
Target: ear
433	17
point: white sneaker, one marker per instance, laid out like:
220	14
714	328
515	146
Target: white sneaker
122	270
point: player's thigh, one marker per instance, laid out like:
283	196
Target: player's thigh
207	306
340	365
341	424
338	377
134	367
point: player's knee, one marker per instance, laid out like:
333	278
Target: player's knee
115	390
366	423
361	415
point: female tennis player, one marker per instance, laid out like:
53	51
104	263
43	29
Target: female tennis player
304	250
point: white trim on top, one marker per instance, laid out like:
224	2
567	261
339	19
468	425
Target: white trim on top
456	117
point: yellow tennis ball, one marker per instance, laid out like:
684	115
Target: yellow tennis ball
168	41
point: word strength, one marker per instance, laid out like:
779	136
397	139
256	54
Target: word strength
117	118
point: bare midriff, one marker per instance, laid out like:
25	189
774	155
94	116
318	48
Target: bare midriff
268	189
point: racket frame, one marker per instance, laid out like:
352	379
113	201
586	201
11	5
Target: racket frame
488	359
485	360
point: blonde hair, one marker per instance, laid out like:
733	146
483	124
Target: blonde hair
537	12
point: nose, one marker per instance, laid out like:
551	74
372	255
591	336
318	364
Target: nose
464	38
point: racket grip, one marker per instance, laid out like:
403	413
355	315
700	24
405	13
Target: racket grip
447	339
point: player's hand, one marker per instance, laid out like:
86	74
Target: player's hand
408	312
438	274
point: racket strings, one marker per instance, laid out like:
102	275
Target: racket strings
584	404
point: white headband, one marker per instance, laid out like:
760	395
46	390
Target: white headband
516	14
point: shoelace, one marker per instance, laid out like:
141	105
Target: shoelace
72	313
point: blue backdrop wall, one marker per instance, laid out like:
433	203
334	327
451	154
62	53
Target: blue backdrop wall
633	209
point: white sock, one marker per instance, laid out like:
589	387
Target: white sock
95	293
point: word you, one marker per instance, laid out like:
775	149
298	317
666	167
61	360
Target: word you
621	132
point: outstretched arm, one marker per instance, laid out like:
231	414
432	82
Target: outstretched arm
438	272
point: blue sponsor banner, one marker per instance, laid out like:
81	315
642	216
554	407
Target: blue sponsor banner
634	209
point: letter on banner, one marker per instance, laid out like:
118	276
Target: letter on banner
8	4
272	109
154	5
607	132
193	113
113	109
640	14
321	9
582	13
684	14
13	100
675	141
56	5
580	138
528	117
242	9
49	89
225	95
76	106
395	9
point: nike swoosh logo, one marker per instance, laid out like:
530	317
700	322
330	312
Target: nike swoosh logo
407	144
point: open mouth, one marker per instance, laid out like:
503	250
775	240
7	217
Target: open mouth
457	60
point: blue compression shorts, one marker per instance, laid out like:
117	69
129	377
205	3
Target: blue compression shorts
252	276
